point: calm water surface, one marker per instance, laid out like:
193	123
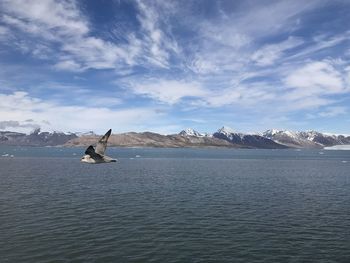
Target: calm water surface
175	205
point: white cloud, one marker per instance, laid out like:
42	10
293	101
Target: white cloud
221	47
333	111
19	106
168	91
244	95
69	65
289	104
4	125
95	53
103	101
315	78
197	94
310	86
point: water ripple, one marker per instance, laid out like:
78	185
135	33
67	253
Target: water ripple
174	210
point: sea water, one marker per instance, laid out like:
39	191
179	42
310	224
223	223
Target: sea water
174	205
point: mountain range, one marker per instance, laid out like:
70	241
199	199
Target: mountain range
308	139
224	137
36	138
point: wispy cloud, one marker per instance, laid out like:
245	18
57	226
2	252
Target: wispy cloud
62	25
49	17
3	33
168	91
269	17
268	54
333	111
159	44
320	43
69	65
198	94
229	40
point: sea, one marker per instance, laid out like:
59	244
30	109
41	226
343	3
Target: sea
174	205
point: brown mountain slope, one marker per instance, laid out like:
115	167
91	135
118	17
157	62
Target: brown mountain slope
149	139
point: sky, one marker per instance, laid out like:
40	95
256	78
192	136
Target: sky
163	66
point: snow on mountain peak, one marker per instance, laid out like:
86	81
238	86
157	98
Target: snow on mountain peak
271	132
191	132
89	133
226	130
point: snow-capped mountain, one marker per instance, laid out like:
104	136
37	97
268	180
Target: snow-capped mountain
36	138
191	132
308	139
246	140
226	131
290	139
89	133
325	139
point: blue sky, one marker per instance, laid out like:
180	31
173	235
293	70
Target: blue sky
164	66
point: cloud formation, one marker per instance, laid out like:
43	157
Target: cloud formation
16	124
62	26
19	107
316	79
276	57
